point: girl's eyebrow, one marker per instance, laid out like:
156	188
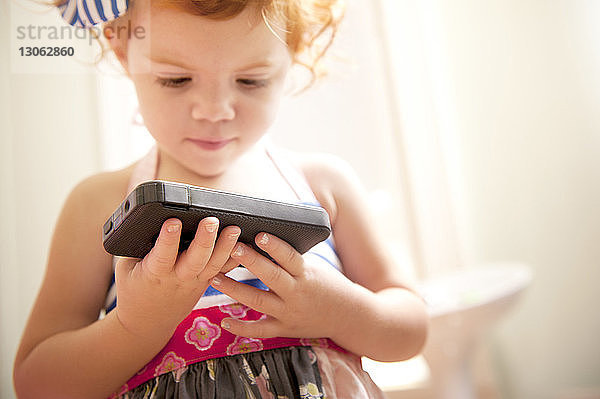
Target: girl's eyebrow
161	59
256	65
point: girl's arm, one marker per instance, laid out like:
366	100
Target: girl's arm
65	351
390	300
372	311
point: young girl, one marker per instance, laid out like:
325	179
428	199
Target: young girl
209	76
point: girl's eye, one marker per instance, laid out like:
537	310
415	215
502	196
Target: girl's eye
172	82
253	83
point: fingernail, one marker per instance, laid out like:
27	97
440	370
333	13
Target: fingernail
235	232
211	227
225	324
238	251
264	239
215	281
173	228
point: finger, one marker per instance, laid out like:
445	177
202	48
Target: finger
229	265
125	266
282	252
162	256
221	252
266	328
257	299
194	258
273	275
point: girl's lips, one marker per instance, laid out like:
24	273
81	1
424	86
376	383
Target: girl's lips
211	145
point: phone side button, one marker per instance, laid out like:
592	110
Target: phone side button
176	195
108	226
117	216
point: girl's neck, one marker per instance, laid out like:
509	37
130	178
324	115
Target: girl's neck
231	179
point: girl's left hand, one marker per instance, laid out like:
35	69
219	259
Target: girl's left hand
305	300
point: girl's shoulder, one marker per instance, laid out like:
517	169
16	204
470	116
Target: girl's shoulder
93	200
76	235
104	191
333	181
358	239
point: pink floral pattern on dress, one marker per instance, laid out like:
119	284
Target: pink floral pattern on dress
235	310
202	334
244	345
169	362
178	373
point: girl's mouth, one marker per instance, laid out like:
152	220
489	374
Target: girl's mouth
211	145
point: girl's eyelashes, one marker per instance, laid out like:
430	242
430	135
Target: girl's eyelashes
180	82
253	83
172	82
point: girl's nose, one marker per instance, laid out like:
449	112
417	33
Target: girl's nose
213	105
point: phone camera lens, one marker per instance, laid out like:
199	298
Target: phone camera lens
126	206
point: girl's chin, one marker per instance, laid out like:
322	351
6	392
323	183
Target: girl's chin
194	167
208	170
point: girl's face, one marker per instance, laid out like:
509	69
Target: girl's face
207	89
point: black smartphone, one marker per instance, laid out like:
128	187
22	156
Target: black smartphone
133	228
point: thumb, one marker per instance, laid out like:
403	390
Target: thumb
162	256
125	266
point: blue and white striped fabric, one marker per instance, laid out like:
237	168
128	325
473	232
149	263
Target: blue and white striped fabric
87	13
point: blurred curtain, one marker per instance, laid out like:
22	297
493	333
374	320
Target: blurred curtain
48	142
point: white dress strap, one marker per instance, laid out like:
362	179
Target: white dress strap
325	250
293	176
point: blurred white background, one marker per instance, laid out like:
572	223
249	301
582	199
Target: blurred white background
472	123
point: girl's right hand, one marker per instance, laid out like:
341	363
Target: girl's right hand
156	293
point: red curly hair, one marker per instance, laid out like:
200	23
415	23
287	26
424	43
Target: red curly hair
310	25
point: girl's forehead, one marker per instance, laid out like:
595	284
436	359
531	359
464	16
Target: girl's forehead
176	24
190	41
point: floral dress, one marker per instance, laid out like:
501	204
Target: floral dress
202	360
